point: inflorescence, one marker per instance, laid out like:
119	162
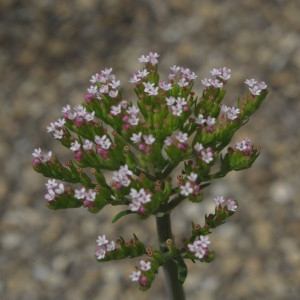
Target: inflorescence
141	143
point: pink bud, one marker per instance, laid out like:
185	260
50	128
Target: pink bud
143	280
88	97
36	162
78	155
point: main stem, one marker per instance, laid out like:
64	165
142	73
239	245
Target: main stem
175	289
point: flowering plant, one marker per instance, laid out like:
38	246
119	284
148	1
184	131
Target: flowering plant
138	144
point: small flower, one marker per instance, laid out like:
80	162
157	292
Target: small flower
255	87
198	147
165	86
207	155
176	110
186	189
170	101
51	184
133	120
115	110
142	73
200	120
145	265
60	122
149	139
243	145
101	240
100	252
134	79
231	205
204	241
87	145
58	134
231	112
136	138
80	194
75	146
150	89
50	196
210	121
90	195
181	137
111	246
37	153
168	141
60	189
192	177
92	89
132	110
138	198
89	116
135	275
219	200
182	82
104	142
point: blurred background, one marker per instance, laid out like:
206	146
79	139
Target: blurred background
49	50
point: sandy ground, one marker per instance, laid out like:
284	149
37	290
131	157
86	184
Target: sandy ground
49	49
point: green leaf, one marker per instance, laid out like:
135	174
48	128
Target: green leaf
121	214
182	268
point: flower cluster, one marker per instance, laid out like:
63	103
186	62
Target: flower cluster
199	246
53	189
221	76
104	246
125	153
255	87
230	204
137	199
140	273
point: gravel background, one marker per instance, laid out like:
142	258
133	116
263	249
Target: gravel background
48	51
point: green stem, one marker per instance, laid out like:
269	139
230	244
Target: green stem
175	289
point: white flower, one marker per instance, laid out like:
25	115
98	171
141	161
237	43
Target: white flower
101	240
168	141
100	252
145	265
60	122
186	189
133	110
104	142
60	189
219	200
58	134
136	138
231	205
181	137
135	275
198	147
80	194
200	120
149	139
192	177
115	110
90	195
87	145
51	184
92	89
75	146
37	153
